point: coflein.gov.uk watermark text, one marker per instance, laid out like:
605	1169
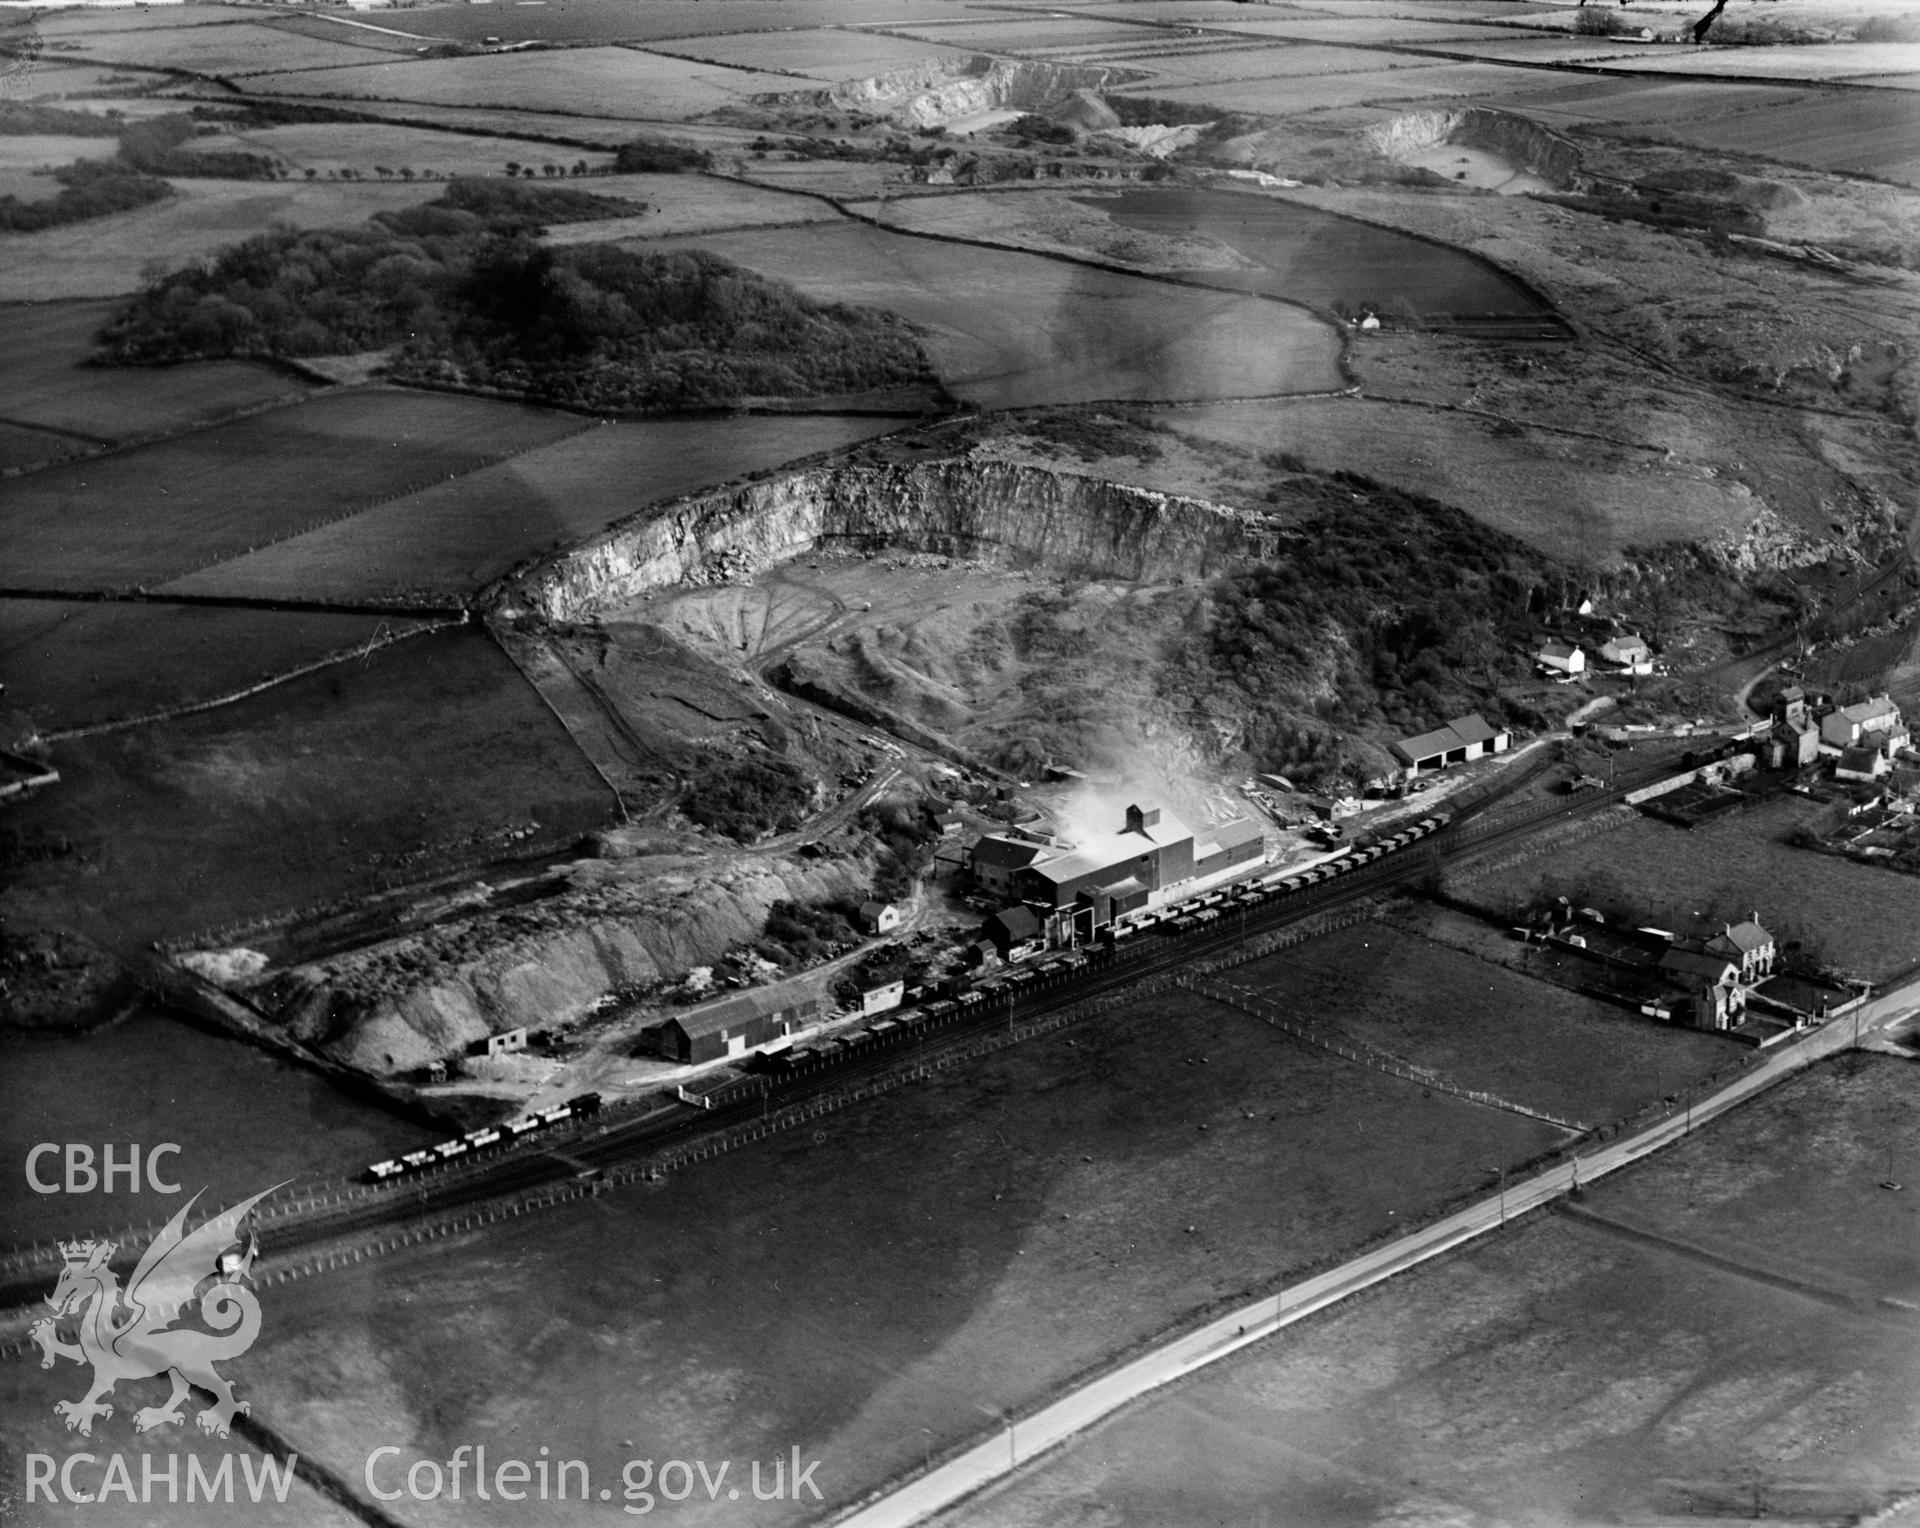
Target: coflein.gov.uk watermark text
644	1485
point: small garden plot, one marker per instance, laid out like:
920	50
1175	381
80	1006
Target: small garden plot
222	50
81	663
819	54
156	512
610	82
46	383
1852	918
455	536
1008	330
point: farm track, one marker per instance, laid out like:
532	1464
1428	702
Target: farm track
631	1146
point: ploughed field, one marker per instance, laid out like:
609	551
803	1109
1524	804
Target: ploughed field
448	539
154	513
1703	1337
879	1283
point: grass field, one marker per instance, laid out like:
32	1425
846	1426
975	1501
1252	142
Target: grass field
623	21
1563	1373
1863	919
329	146
684	204
818	54
1487	1028
36	152
157	512
105	257
224	50
609	82
1419	81
73	663
1278	62
84	22
453	537
45	384
1812	62
1377	31
308	791
22	449
1017	35
909	1264
1860	133
1564	495
1009	329
277	1120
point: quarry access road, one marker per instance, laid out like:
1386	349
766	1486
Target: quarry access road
1026	1438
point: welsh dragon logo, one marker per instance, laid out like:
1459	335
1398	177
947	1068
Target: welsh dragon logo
135	1335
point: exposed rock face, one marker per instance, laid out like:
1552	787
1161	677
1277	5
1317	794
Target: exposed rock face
965	507
938	91
1518	139
396	1007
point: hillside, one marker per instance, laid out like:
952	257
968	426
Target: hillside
462	296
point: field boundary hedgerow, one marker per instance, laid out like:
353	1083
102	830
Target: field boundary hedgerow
360	650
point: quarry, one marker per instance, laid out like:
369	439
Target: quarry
932	716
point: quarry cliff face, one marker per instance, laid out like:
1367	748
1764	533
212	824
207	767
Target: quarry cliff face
965	507
938	91
1517	139
398	1006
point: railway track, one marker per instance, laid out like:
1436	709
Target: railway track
520	1171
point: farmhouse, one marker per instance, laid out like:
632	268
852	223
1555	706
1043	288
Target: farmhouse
1559	657
1463	738
735	1025
1711	983
1629	652
1875	721
1748	943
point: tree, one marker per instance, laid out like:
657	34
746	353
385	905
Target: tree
312	173
406	173
513	167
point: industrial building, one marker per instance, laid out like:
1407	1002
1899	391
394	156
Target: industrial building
1113	874
1463	738
735	1025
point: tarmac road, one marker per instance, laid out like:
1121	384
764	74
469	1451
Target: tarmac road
1026	1437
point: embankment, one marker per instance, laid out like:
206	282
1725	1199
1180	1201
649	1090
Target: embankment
397	1006
964	507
